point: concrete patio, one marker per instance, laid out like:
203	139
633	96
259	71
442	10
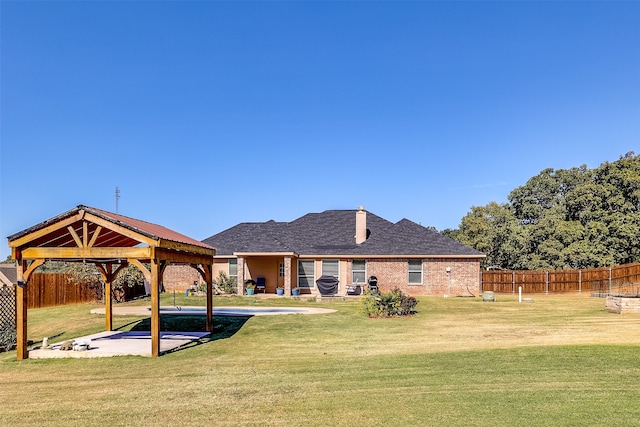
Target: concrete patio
138	343
120	343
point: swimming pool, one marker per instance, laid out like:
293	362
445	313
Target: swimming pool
242	311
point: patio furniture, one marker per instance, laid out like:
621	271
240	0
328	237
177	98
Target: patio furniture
327	285
261	285
354	289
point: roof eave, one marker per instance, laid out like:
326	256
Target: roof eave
372	255
246	254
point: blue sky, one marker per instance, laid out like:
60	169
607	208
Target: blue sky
205	114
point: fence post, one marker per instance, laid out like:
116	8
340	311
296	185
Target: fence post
609	279
579	281
546	282
513	282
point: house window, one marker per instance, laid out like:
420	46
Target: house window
233	269
306	273
415	272
331	268
281	269
358	271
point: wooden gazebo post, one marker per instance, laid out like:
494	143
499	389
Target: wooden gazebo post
155	308
208	277
23	271
21	315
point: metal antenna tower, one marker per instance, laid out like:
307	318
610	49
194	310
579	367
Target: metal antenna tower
117	198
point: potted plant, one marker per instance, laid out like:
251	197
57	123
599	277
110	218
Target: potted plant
280	290
250	286
295	291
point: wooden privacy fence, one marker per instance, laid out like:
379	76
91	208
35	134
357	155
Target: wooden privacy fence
622	278
54	289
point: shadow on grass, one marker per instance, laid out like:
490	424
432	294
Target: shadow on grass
223	326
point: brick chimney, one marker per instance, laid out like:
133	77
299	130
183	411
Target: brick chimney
361	225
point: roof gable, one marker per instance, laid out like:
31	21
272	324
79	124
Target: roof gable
332	232
8	275
87	227
250	237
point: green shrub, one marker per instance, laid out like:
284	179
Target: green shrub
394	303
7	335
225	283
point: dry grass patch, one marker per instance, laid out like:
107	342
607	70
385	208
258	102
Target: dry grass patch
561	360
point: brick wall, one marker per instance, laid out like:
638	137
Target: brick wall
180	277
464	276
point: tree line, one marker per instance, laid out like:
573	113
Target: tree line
561	219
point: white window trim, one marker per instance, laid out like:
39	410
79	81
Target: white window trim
337	261
409	271
312	285
229	268
365	271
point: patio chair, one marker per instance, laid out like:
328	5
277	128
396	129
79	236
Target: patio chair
261	285
354	289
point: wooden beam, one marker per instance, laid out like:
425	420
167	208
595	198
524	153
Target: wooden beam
183	257
92	253
85	234
185	247
119	268
45	230
102	270
155	308
75	236
107	272
200	270
94	237
146	273
208	275
121	230
108	308
35	264
163	265
21	312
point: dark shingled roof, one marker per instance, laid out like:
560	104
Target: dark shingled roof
9	273
332	232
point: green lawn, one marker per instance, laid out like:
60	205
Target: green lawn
559	361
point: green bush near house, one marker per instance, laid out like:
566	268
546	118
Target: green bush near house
7	335
391	304
225	283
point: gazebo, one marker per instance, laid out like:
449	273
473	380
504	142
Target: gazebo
111	242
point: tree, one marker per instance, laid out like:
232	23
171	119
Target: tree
492	230
567	218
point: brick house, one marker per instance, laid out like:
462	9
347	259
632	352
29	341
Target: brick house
351	245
